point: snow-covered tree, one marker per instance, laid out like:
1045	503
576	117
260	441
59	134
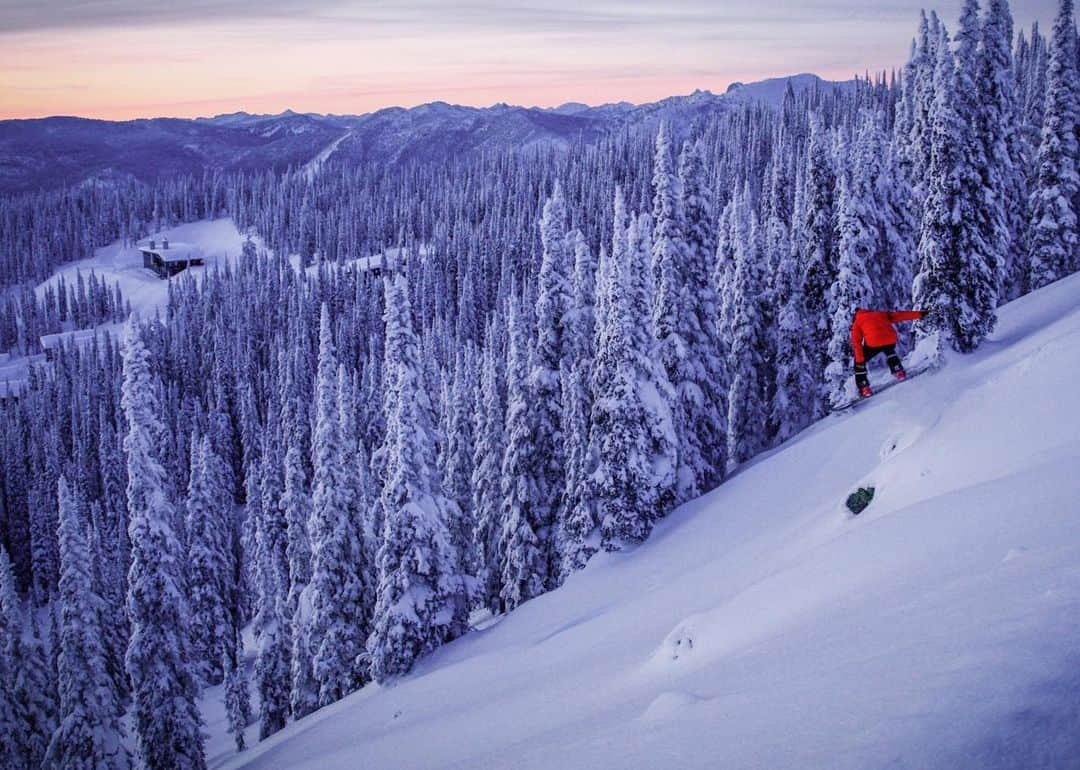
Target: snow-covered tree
8	598
237	695
980	189
632	430
858	239
272	664
487	476
1000	128
166	716
28	699
746	403
209	561
1054	235
703	386
953	273
336	627
460	449
90	734
297	506
792	400
523	562
577	521
547	359
819	257
421	598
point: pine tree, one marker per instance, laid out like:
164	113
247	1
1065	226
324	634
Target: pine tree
576	532
668	255
10	633
297	506
421	599
674	319
90	734
237	696
858	239
460	451
336	624
272	665
1002	137
35	707
523	562
577	521
632	430
819	258
703	388
486	476
1053	236
953	273
209	562
982	214
746	407
167	720
548	356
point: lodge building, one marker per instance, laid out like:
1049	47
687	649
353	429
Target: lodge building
168	259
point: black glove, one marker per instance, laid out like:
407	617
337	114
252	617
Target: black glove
861	378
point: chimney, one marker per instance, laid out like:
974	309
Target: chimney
152	244
165	243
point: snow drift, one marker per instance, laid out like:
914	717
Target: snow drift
762	626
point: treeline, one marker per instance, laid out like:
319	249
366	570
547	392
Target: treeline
25	317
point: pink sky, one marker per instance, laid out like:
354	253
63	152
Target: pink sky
121	59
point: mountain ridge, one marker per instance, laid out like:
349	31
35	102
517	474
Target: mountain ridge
53	152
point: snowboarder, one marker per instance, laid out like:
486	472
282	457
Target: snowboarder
872	332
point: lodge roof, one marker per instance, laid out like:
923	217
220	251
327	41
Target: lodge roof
171	251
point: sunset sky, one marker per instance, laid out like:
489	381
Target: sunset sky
122	59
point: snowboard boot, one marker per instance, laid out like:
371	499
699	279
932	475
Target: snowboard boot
862	380
895	366
865	392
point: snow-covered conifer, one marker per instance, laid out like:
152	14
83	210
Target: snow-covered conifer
819	258
953	271
421	598
336	629
237	695
632	430
746	407
858	238
553	303
209	562
166	717
523	562
89	734
1000	129
702	388
1054	231
487	475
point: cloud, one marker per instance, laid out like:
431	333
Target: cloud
22	16
378	16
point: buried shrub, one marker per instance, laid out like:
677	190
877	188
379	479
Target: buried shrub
859	499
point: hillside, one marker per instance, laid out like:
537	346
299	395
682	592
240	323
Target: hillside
762	626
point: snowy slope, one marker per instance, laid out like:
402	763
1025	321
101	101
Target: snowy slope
218	239
764	627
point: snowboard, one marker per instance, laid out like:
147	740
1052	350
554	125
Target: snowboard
878	387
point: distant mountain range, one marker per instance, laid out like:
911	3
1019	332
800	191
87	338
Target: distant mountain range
47	153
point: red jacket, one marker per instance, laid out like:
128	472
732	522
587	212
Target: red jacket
874	329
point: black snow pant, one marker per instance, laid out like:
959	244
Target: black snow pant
891	358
